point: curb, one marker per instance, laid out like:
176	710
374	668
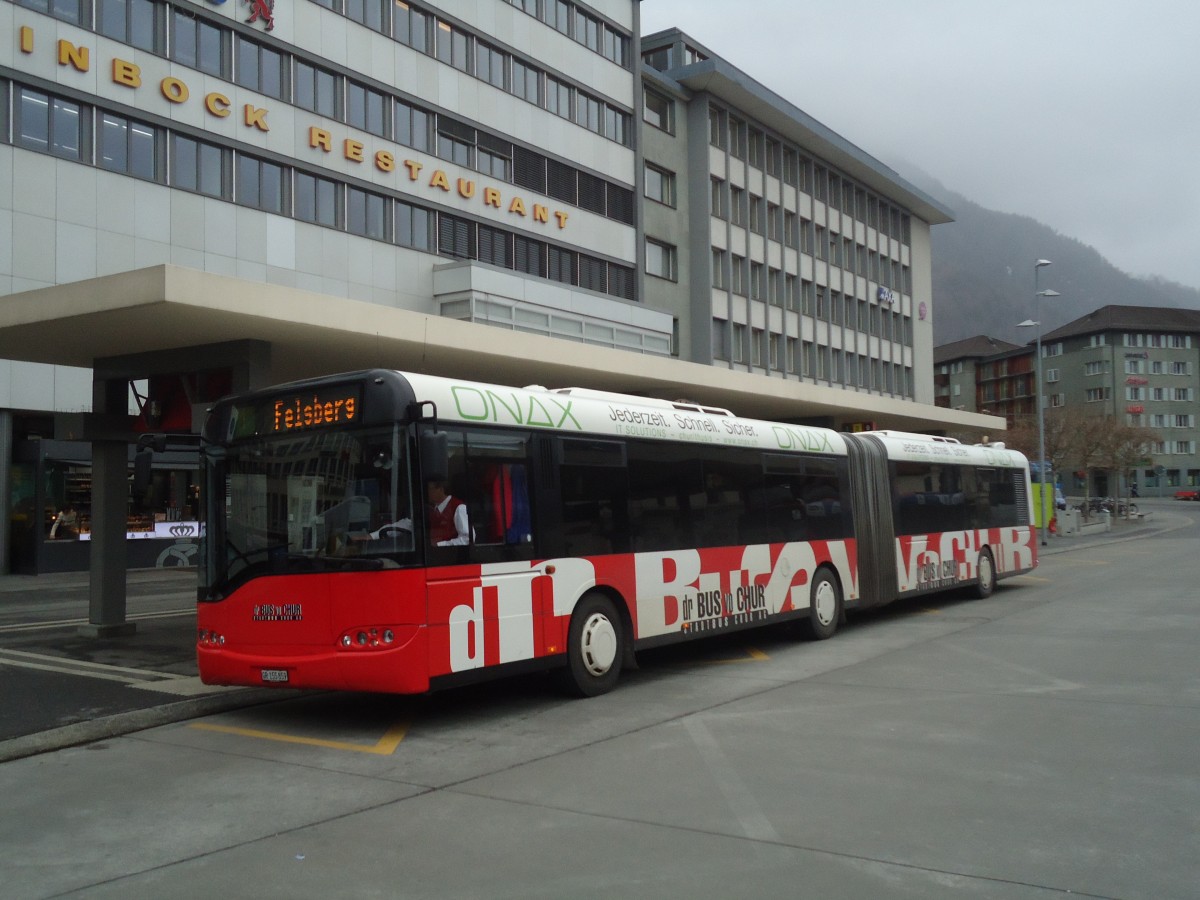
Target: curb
1170	522
124	723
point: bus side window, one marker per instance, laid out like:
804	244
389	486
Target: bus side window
664	480
805	499
497	490
501	491
733	491
595	513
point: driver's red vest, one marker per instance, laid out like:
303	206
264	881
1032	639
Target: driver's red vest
441	522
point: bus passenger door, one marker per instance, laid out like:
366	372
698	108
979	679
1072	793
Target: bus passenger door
486	619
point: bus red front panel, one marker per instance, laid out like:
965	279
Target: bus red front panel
343	631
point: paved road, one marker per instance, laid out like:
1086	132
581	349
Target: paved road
1038	743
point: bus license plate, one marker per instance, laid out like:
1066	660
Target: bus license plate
276	676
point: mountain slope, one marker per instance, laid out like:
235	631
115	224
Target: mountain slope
983	279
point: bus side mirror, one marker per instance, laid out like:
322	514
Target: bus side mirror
142	463
435	455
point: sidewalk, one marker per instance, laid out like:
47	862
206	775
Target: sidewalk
134	682
150	678
1155	516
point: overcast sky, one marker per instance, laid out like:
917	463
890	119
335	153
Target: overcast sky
1084	114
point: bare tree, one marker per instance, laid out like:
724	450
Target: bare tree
1060	427
1023	436
1088	443
1126	447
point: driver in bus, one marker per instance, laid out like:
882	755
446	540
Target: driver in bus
449	524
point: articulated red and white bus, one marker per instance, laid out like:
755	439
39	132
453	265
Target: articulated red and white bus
387	531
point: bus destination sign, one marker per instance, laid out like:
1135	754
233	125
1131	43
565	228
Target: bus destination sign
319	408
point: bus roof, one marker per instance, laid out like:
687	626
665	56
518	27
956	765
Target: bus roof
591	413
601	413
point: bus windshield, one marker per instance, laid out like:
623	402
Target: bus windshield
317	501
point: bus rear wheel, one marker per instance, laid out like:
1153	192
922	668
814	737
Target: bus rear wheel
595	647
986	568
825	607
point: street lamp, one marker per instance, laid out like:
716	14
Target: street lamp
1041	413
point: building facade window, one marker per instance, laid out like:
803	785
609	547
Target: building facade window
737	206
414	227
316	199
199	166
717	198
738	336
659	184
260	184
739	277
315	89
257	67
365	109
366	214
660	259
526	82
133	22
128	146
491	65
199	44
49	124
720	339
658	110
372	13
718	268
716	128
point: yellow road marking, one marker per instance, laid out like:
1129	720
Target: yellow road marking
385	746
751	653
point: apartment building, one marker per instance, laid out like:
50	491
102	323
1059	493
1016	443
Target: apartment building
1140	365
984	373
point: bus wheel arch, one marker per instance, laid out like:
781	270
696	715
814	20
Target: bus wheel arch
598	644
985	570
826	605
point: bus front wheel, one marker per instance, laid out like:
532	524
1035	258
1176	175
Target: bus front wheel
595	647
825	607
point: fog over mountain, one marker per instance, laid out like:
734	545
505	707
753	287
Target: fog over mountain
983	280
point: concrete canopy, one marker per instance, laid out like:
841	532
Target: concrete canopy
166	308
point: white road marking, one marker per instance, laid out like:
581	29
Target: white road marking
141	678
185	686
63	623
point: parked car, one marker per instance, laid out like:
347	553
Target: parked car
1188	494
